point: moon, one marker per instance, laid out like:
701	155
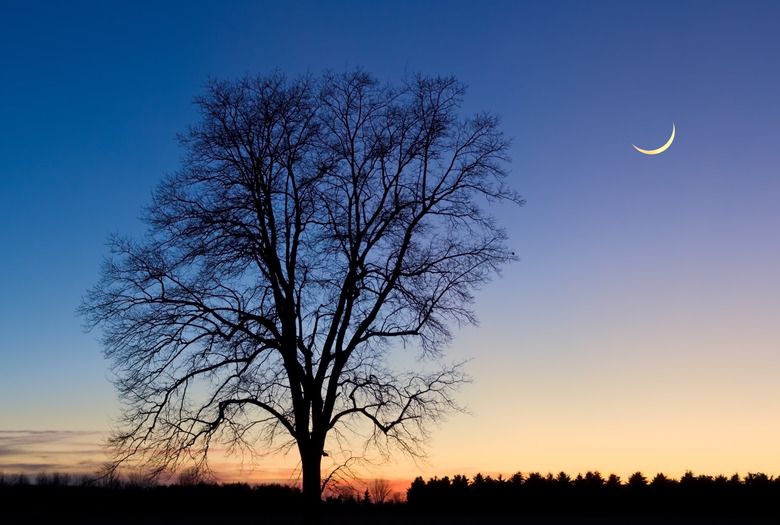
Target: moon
659	150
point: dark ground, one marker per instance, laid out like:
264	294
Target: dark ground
374	519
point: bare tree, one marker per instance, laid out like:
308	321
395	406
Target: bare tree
380	491
191	476
316	224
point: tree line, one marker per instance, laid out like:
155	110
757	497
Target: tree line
755	494
64	495
591	494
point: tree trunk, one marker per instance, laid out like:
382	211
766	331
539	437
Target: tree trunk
311	460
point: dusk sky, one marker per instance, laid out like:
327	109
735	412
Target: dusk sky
639	331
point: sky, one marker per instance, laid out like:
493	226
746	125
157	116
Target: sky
638	332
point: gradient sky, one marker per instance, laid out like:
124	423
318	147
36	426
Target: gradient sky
640	331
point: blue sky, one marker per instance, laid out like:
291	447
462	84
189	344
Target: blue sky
638	332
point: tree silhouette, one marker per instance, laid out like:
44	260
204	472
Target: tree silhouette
637	479
758	479
593	479
613	480
661	480
315	226
380	490
563	479
517	479
535	479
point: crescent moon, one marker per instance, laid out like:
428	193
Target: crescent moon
659	150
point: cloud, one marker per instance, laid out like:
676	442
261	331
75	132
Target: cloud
28	468
76	452
32	451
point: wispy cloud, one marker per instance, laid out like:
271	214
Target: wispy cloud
75	451
32	451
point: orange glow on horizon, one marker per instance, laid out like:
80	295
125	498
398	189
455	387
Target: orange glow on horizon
33	452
